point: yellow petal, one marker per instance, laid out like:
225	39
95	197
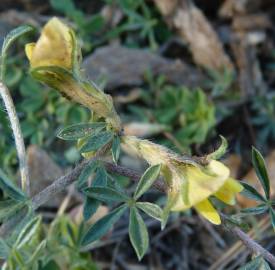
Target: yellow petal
29	50
206	209
201	185
54	47
228	191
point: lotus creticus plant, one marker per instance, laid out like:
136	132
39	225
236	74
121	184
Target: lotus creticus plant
189	183
55	60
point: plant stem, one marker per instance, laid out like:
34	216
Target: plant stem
64	181
18	137
61	183
252	245
134	176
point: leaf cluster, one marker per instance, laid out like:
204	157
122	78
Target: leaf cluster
140	23
266	203
102	189
188	113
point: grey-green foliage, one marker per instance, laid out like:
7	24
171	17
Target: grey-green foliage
102	226
100	180
97	141
9	188
263	118
38	247
187	113
41	113
26	245
112	193
255	264
140	22
220	82
8	41
147	180
138	233
266	203
79	131
87	26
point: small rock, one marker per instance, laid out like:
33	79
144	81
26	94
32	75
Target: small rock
43	171
122	66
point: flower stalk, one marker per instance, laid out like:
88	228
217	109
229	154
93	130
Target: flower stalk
18	137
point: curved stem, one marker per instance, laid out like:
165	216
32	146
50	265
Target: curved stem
18	137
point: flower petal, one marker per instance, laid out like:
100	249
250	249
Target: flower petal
206	209
29	50
54	47
202	184
228	191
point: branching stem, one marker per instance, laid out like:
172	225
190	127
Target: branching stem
63	182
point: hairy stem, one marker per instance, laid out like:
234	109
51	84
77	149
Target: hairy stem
18	137
61	183
252	245
64	181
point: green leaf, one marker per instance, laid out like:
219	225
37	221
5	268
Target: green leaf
100	178
260	209
11	190
37	253
256	264
17	257
94	24
272	217
28	231
252	265
138	233
103	225
86	173
13	35
78	131
4	249
64	6
250	192
260	168
51	265
116	149
106	194
151	209
171	200
147	180
97	141
220	151
265	265
90	207
9	39
235	220
8	208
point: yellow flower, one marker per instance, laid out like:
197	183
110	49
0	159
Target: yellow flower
53	48
202	184
54	60
189	183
